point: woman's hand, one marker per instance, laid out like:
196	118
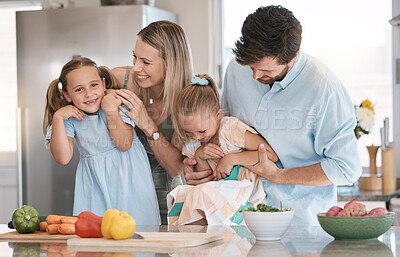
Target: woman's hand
224	167
69	111
198	177
137	111
209	151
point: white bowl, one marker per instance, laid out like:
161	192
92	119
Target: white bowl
268	225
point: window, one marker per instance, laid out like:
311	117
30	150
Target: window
8	72
353	38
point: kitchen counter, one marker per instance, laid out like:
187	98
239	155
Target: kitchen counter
238	241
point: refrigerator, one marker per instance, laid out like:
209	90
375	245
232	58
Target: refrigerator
46	40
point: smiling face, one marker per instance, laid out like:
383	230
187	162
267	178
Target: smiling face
200	125
148	65
267	71
85	89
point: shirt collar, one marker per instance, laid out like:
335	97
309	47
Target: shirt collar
293	72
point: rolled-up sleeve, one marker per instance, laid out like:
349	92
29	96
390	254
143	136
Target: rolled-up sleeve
335	140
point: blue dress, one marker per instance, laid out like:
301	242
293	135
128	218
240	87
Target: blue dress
107	178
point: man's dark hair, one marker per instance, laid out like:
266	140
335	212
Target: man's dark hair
270	31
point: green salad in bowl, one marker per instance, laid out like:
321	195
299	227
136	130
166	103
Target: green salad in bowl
266	208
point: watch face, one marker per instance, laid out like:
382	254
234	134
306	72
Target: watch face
156	135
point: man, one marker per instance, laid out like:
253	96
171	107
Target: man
299	106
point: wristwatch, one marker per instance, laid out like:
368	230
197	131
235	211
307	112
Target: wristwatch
154	136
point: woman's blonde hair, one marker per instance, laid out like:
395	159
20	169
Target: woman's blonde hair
170	40
54	97
194	98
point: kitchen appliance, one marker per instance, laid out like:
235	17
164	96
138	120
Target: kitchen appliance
46	40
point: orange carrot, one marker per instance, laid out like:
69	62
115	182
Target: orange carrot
54	219
43	226
52	228
67	229
68	220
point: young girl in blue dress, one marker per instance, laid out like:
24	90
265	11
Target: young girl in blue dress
113	171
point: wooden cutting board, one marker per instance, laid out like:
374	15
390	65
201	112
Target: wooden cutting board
151	240
37	236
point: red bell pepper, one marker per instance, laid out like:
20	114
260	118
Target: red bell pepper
88	225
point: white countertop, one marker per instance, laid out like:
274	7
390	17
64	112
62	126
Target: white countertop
298	241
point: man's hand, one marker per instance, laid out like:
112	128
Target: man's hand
198	177
265	167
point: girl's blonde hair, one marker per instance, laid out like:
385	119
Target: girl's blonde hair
194	98
170	40
54	97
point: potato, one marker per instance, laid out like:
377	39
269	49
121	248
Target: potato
343	213
333	211
379	211
354	208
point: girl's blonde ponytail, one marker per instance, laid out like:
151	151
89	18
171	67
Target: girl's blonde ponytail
111	80
54	101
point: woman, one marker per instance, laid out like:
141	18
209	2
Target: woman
161	68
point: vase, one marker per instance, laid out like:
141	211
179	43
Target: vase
372	151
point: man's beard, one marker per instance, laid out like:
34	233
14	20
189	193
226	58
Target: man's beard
271	80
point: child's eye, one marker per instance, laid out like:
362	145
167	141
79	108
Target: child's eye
202	132
95	85
78	90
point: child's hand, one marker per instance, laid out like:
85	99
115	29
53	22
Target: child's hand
67	112
224	167
209	151
110	102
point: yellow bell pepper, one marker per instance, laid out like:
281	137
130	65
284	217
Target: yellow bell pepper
117	225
